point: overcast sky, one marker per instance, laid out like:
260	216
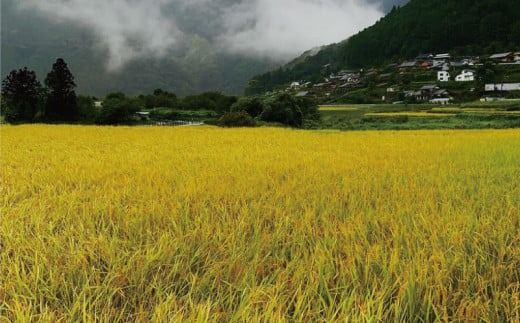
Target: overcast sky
278	29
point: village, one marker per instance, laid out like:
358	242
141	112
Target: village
429	78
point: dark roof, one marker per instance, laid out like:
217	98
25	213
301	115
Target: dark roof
429	87
408	64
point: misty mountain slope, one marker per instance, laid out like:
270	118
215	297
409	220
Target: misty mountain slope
461	26
215	45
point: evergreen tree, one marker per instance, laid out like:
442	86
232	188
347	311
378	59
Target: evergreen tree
61	100
21	92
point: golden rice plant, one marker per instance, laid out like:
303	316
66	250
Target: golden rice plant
139	224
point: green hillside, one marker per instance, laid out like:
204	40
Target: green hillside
457	26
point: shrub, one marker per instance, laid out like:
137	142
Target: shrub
236	119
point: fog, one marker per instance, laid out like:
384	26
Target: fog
278	29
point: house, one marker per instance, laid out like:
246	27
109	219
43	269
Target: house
443	76
442	101
441	59
502	87
408	65
98	104
425	93
295	85
426	64
430	92
517	57
503	57
385	76
143	115
444	57
465	76
302	94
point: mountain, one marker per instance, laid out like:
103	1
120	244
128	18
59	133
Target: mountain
32	40
470	27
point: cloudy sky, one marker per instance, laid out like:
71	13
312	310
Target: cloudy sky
278	29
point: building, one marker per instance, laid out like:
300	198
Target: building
442	101
440	59
507	87
408	65
302	94
295	85
503	57
465	76
443	76
143	115
517	57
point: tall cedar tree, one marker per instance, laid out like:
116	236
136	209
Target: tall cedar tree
61	100
21	92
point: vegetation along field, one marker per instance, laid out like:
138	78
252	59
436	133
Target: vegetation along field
472	115
267	224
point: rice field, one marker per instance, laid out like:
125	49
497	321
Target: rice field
342	107
410	114
203	224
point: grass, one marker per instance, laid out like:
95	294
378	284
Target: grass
120	224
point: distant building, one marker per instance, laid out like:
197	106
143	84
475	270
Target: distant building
98	104
427	93
442	101
465	76
503	57
463	62
143	115
517	57
440	59
443	57
302	94
408	65
502	87
443	76
295	85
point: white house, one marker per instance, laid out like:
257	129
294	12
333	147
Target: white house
442	101
295	85
443	76
517	57
502	87
465	76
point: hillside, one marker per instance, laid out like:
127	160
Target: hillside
456	26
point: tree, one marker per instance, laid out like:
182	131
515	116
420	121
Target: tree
21	91
61	100
486	73
252	105
117	109
87	111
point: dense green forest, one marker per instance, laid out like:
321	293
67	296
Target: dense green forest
468	27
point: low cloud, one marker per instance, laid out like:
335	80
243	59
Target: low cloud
128	29
283	29
278	29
